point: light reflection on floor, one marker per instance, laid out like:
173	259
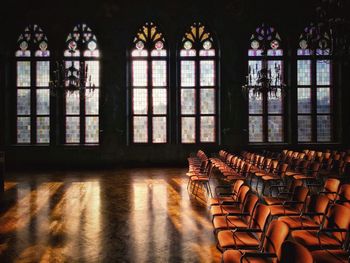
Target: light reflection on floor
136	215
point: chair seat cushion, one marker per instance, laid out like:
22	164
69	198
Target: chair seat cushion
279	210
220	222
309	239
270	178
234	256
224	209
296	222
330	256
273	200
216	201
260	174
303	177
239	239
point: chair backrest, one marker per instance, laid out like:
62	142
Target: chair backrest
242	194
318	204
331	185
274	165
276	234
314	169
304	165
260	217
338	218
344	193
294	184
293	252
300	195
282	169
236	186
249	205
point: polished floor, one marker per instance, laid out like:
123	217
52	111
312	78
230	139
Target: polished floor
125	215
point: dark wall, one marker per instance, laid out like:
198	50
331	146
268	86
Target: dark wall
115	23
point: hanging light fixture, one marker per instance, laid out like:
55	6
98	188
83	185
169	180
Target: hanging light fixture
267	79
331	31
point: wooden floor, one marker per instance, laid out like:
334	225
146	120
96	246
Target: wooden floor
130	215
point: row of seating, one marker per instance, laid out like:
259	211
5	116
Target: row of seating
288	223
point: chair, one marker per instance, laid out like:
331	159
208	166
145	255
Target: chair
235	207
310	178
312	219
330	256
270	250
272	169
331	188
201	180
332	235
285	193
274	178
343	196
292	252
229	196
291	207
237	220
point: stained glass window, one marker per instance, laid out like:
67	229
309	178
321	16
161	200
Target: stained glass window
33	93
198	86
314	90
82	102
149	86
266	110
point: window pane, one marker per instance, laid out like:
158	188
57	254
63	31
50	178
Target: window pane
323	100
159	97
42	73
159	130
207	130
140	129
140	101
275	129
23	101
43	102
275	103
207	73
187	74
207	101
139	73
188	130
188	101
323	72
304	128
93	73
23	74
43	129
75	67
91	129
255	103
23	130
304	100
254	67
72	130
323	128
304	72
276	68
255	129
92	101
72	102
159	76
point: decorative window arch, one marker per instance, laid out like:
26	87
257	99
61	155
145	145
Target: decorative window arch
314	88
266	110
32	82
149	86
81	105
199	85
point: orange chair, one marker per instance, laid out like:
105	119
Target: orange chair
311	177
236	207
343	196
274	178
284	193
293	207
292	252
330	256
331	188
276	234
240	220
332	235
201	180
229	196
312	219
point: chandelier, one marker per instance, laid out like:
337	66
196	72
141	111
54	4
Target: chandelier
265	77
331	31
70	76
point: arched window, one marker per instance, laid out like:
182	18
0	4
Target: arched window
266	110
198	86
82	103
33	93
314	89
149	86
